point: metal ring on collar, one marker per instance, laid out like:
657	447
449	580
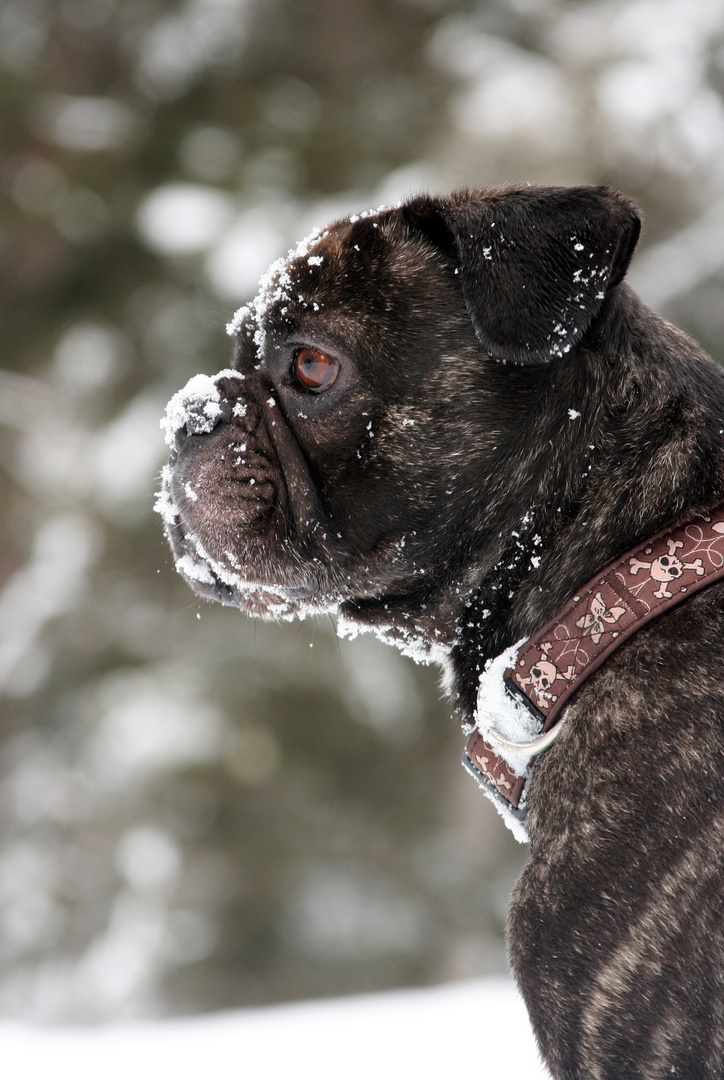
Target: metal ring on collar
535	746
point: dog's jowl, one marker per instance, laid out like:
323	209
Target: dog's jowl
441	422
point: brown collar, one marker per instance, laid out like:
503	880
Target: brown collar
547	669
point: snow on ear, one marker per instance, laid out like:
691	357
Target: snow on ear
534	264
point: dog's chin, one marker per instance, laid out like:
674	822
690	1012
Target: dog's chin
226	533
256	587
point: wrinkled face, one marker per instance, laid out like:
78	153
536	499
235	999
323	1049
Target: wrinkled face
328	470
394	435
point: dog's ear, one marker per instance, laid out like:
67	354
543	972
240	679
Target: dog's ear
534	264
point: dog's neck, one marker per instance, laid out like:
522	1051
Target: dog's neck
522	695
564	499
584	518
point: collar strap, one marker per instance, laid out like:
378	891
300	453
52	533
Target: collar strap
523	691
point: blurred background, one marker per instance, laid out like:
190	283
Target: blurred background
197	811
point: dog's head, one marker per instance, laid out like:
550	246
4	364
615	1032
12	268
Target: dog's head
387	377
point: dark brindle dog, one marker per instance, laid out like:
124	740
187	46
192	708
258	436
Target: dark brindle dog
441	421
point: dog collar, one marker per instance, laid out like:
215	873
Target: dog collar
523	692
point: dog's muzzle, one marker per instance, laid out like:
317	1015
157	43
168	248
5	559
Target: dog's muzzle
225	499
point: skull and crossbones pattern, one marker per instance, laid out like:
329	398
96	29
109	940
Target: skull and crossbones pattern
500	781
543	674
666	568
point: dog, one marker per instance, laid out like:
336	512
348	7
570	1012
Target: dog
441	419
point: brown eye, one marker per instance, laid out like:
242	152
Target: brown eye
314	370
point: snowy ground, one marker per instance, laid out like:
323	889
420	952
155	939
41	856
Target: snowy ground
453	1030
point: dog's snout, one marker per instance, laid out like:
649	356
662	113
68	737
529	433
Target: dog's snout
232	411
244	413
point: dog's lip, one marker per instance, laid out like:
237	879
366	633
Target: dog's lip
298	592
293	592
227	592
231	593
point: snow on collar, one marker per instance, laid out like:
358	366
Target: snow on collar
522	692
503	774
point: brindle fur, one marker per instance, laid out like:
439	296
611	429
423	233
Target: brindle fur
441	312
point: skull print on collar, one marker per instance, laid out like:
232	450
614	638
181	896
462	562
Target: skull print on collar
523	691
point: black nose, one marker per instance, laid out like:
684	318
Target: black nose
242	413
201	419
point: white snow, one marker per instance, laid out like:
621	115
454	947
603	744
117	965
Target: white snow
498	710
275	284
478	1027
196	571
246	249
164	504
196	406
273	288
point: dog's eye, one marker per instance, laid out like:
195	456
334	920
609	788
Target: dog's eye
314	370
